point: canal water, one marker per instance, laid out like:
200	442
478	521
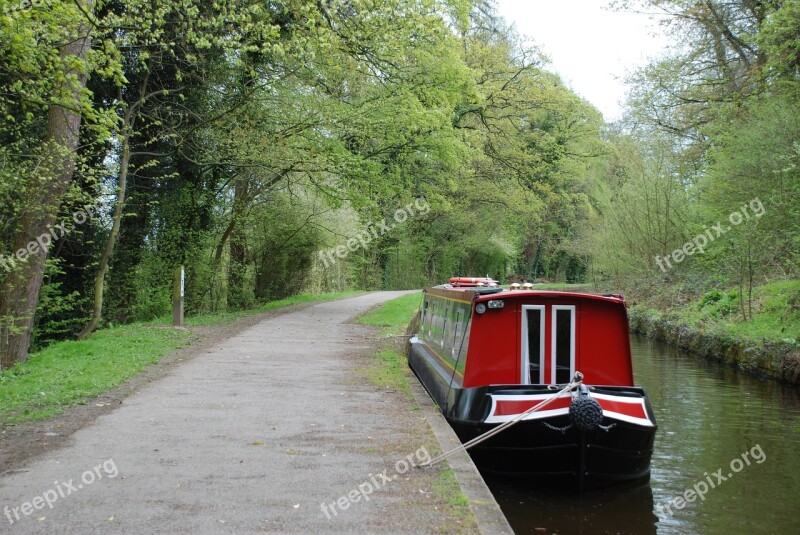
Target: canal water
713	422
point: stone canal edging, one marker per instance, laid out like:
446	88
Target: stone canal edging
487	513
771	359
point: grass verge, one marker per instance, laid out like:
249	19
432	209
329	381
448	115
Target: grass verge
393	316
766	344
72	372
389	369
775	308
447	486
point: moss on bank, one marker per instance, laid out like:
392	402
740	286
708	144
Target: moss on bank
713	326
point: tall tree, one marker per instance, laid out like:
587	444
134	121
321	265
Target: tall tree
716	61
19	291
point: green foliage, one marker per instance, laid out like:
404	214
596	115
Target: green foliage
757	157
717	304
283	244
152	283
709	152
776	315
529	193
780	39
251	136
60	314
716	62
642	208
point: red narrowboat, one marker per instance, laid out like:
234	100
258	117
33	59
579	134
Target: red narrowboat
486	355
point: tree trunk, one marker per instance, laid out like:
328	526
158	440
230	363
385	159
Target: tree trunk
128	122
19	291
238	251
99	281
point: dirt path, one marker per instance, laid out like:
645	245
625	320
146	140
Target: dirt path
251	436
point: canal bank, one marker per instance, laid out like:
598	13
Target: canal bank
778	360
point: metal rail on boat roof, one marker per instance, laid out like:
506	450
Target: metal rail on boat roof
486	291
482	290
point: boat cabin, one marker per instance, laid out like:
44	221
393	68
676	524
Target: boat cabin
481	335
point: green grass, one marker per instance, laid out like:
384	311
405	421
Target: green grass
389	369
72	372
448	488
776	313
393	316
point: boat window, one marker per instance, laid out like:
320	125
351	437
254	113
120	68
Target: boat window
563	343
532	344
432	319
444	324
457	332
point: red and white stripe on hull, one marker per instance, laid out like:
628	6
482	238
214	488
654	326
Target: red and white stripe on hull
622	408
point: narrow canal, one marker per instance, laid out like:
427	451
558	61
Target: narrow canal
713	422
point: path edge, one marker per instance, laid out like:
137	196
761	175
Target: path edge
488	516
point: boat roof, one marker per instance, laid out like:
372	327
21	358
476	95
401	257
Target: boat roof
477	294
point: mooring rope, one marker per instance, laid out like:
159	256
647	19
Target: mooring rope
505	425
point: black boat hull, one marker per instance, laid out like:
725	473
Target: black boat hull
539	451
547	448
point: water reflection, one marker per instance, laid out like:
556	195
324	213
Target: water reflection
708	416
598	512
